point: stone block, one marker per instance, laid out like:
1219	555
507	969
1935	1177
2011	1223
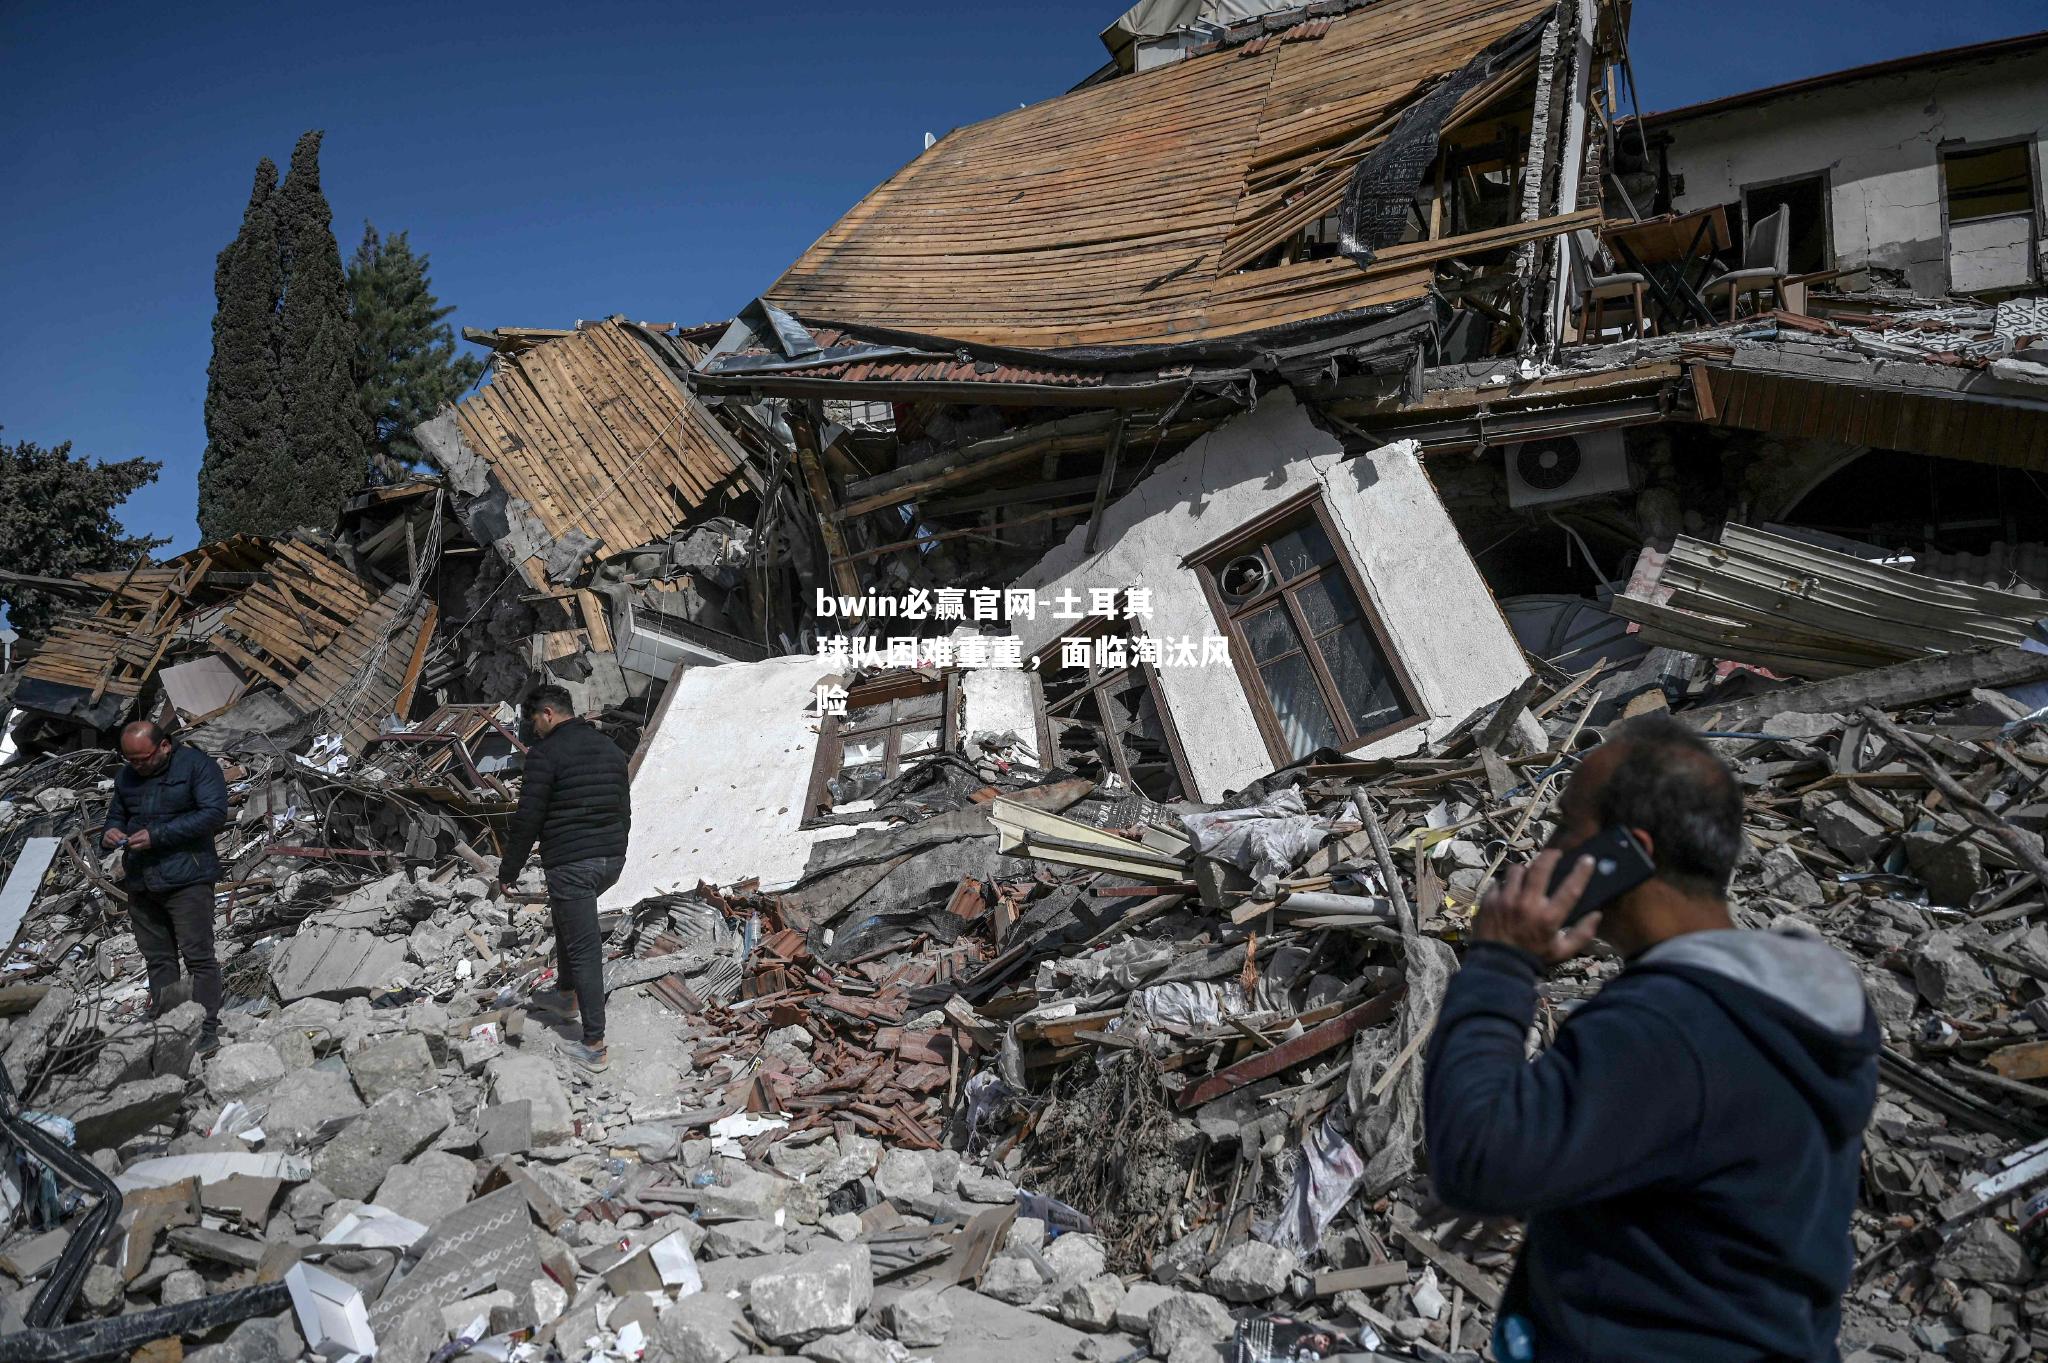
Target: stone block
1952	871
429	1188
736	1239
1949	977
919	1318
697	1329
1134	1311
819	1294
532	1079
392	1064
305	1102
390	1131
1074	1256
1188	1318
244	1070
1090	1304
1012	1278
1254	1271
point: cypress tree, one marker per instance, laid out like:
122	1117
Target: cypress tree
405	351
326	433
245	445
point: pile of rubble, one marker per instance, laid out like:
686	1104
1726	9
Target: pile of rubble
1039	1067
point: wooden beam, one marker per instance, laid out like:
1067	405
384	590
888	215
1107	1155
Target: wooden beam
812	463
1103	484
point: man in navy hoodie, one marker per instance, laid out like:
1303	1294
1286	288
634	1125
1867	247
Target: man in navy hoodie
1687	1153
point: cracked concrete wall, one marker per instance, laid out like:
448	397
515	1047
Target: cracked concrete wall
1438	613
721	787
1879	140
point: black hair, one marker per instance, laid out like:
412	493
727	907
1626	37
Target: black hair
554	697
1674	787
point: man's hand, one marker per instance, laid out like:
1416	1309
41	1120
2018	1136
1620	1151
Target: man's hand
138	841
113	837
1518	913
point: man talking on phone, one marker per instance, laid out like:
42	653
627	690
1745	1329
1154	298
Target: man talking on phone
1687	1153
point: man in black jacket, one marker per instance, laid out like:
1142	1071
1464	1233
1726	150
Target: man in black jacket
576	801
1687	1152
169	800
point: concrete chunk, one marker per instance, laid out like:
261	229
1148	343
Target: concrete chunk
1949	977
735	1239
855	1346
1091	1303
1845	828
305	1102
1254	1271
334	963
1012	1278
244	1070
127	1112
390	1131
697	1329
392	1064
919	1318
819	1294
429	1188
1192	1318
531	1079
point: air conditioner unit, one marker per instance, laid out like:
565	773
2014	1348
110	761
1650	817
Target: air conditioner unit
1566	468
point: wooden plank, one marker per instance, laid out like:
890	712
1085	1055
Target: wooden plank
1288	1054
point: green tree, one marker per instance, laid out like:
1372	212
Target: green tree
245	461
56	520
405	353
326	433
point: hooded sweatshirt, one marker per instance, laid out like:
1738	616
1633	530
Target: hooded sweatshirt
1686	1155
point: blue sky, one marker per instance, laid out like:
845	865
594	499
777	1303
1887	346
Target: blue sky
664	160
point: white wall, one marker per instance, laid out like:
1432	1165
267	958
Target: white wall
1877	139
721	787
1437	611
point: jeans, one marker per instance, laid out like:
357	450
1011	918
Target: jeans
175	925
573	888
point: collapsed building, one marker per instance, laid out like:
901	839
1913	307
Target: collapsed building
1086	633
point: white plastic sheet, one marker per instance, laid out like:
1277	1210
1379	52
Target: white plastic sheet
1326	1169
1268	839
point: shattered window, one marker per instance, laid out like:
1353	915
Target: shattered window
861	751
1107	723
1988	182
1316	663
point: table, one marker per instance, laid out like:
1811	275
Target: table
1673	254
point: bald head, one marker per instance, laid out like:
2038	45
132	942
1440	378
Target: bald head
145	748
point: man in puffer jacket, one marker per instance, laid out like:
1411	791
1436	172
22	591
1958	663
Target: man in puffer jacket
576	801
169	801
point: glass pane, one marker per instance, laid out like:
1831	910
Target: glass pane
1989	183
1364	681
918	740
856	783
1304	718
858	752
1270	633
920	707
866	717
1302	548
1326	602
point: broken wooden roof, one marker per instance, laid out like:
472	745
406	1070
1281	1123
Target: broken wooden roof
1123	213
597	434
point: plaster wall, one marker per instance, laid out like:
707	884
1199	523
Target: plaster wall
1879	142
1437	611
999	700
721	787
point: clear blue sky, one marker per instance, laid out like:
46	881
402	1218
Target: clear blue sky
559	162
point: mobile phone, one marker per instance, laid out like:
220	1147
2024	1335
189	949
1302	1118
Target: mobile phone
1619	865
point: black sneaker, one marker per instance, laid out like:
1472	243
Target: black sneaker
209	1041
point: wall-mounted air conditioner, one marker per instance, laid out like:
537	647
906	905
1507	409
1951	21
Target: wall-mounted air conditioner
1566	468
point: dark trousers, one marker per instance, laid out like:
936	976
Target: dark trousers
573	888
173	926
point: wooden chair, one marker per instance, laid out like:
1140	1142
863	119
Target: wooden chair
1596	291
1766	257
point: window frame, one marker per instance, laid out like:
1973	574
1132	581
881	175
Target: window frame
833	731
1942	153
1045	663
1827	209
1304	506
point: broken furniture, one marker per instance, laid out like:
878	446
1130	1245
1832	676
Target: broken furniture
1764	263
